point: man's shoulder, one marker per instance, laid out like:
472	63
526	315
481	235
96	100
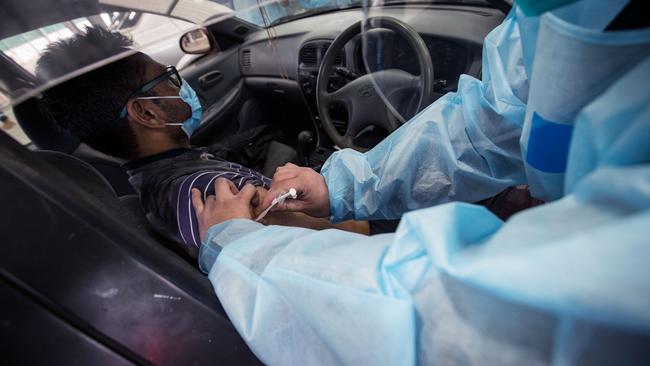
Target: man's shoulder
160	159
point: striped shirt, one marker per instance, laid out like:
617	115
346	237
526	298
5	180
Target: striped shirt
187	225
165	181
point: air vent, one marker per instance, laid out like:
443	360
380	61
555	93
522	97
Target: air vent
308	55
245	60
339	58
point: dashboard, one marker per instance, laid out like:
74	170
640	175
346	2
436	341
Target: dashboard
383	49
288	64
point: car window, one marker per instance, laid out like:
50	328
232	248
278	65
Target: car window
154	34
8	125
145	29
25	48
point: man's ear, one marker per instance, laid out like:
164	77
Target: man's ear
145	112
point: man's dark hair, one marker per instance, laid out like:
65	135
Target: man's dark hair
88	106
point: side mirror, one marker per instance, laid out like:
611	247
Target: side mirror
196	42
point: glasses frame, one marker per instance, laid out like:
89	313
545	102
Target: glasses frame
170	74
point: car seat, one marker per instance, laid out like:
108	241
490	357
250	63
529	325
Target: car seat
74	250
127	206
46	135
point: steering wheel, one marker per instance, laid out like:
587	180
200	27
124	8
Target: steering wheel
362	97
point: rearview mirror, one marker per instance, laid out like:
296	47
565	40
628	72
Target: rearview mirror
196	42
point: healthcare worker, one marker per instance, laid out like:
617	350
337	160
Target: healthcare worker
564	283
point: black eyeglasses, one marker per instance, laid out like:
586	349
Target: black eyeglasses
170	74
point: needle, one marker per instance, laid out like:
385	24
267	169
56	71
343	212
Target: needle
292	194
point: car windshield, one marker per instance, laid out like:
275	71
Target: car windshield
270	13
155	27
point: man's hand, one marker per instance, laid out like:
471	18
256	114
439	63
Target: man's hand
228	203
313	196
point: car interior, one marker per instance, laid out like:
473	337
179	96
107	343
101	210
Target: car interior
81	268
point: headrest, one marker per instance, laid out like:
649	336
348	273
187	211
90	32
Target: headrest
42	130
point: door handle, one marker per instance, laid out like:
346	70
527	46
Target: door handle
210	79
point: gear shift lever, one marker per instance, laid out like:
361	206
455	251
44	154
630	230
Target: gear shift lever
306	144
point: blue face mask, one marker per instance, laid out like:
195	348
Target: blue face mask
187	95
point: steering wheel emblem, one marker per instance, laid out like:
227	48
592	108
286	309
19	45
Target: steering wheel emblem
366	91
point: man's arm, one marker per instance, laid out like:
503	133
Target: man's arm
179	205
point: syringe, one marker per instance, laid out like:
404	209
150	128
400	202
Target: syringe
292	194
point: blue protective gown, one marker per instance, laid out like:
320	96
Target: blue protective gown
467	144
567	282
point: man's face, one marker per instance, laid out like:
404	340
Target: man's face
172	110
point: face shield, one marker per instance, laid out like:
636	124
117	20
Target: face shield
155	29
396	59
380	72
166	31
376	75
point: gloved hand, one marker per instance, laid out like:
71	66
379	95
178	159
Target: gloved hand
226	204
313	196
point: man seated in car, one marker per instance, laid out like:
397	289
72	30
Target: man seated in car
140	111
